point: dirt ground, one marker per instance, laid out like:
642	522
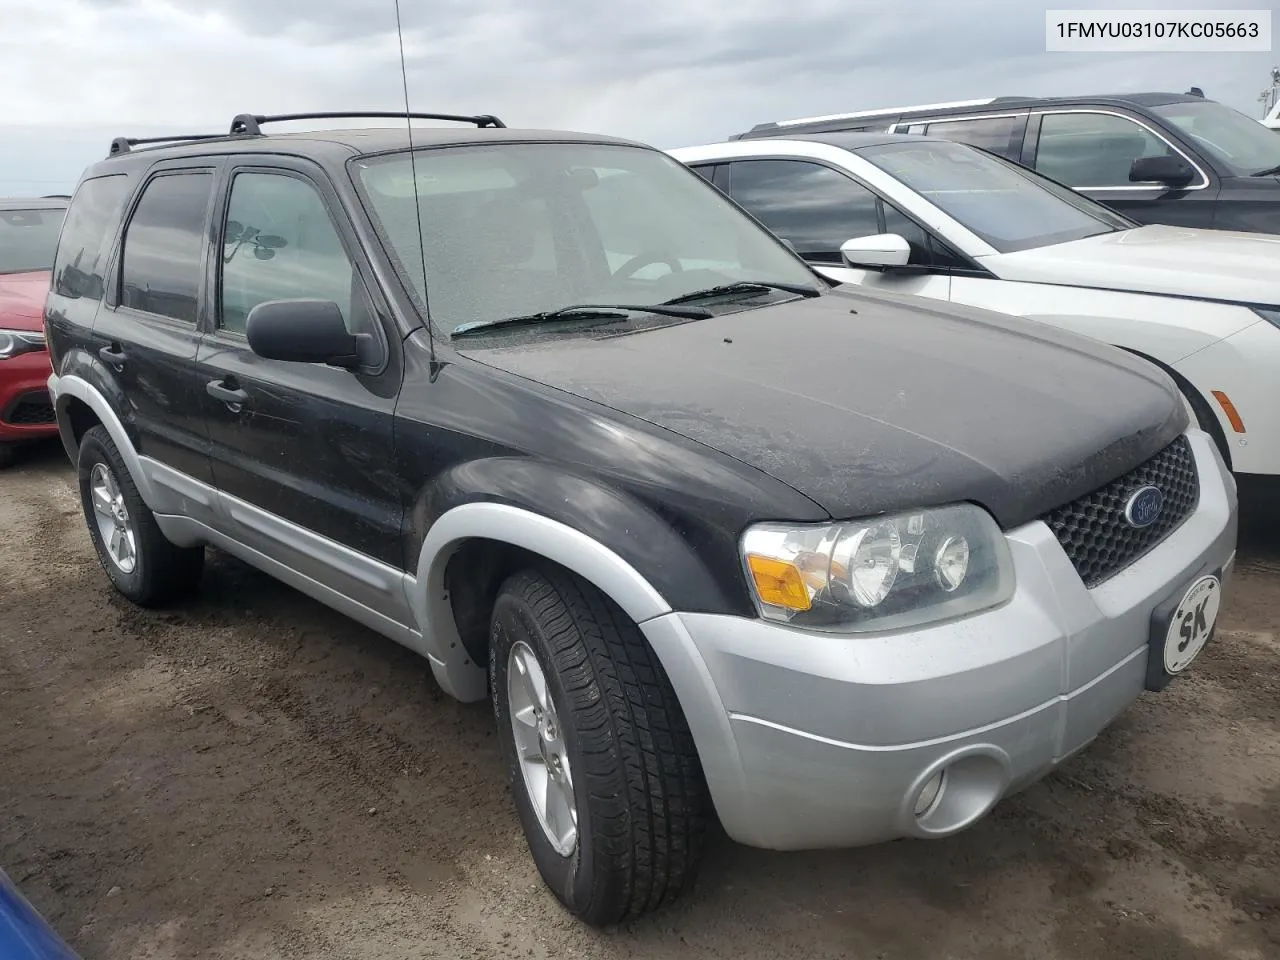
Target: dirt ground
252	776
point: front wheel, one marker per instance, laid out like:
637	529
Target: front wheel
602	765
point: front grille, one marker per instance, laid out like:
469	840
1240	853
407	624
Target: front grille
1093	530
31	409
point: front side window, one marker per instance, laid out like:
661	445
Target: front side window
1241	144
989	133
1093	149
28	239
279	243
1008	206
79	267
813	206
160	268
518	229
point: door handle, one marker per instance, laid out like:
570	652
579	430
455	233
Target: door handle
112	355
232	396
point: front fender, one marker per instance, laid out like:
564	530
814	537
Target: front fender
624	547
639	532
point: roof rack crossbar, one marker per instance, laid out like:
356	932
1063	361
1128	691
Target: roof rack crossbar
251	124
125	144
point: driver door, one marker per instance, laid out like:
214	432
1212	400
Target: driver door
302	453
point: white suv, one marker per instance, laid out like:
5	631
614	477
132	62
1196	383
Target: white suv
934	218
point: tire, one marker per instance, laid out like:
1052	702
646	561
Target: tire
8	454
160	572
635	782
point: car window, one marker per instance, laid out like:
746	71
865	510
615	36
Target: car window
517	229
1239	143
1093	149
895	221
1003	203
279	243
989	133
160	267
633	219
28	239
86	237
814	207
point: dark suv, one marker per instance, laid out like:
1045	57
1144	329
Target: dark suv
707	530
1173	158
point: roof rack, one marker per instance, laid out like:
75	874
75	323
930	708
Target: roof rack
125	144
888	112
250	124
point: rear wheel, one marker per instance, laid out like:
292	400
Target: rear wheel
603	769
7	455
141	563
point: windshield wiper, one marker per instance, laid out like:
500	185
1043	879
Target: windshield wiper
746	286
612	312
1269	172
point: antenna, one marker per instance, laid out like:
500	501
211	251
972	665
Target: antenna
417	200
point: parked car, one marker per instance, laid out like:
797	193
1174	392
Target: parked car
709	531
28	236
1156	157
24	934
930	217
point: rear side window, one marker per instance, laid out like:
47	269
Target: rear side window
160	267
86	237
989	133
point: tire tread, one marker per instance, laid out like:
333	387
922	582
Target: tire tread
648	825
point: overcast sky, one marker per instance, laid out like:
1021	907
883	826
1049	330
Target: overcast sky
75	73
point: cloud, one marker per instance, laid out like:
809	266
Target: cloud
670	72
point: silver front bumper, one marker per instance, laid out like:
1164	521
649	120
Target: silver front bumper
817	740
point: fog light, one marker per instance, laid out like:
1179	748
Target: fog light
929	795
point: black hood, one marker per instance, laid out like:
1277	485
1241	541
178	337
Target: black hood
867	402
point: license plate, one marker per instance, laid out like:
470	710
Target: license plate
1179	634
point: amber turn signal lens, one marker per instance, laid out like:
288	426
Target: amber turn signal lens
1229	409
779	583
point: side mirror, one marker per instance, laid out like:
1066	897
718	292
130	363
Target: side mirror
302	331
789	245
881	250
1167	169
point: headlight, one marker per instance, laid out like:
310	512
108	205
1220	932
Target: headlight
882	573
14	343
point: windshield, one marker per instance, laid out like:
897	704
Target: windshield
1240	144
28	239
1008	206
519	229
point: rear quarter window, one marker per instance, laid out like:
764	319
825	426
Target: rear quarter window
79	266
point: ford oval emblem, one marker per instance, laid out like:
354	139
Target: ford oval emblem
1143	507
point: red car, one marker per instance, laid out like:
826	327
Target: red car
28	238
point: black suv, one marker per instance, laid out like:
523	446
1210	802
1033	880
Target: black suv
1156	157
551	410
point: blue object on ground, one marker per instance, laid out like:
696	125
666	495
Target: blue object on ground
24	934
